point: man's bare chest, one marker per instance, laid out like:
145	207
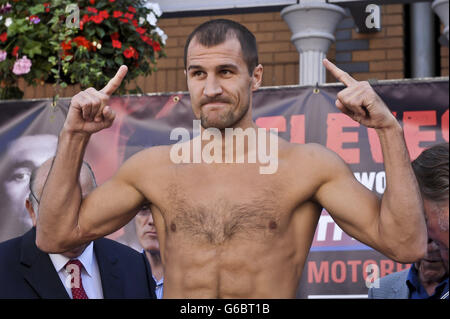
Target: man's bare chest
235	202
215	215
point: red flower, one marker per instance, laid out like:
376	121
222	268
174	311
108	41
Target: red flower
97	19
82	41
130	53
92	2
93	10
117	14
3	37
112	0
128	16
131	9
116	44
140	30
15	51
104	14
123	20
147	40
66	45
115	36
156	46
47	6
85	18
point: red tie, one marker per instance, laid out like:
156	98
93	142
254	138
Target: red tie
74	267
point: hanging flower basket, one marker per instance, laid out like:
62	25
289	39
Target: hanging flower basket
84	42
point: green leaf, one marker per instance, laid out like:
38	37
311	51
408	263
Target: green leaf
118	60
37	9
100	32
31	48
90	31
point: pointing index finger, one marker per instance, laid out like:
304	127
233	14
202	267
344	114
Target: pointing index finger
340	75
115	82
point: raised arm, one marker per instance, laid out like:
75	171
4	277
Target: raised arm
395	226
65	220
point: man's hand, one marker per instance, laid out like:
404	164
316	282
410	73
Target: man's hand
88	112
360	101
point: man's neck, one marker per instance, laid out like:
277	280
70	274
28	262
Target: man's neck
155	262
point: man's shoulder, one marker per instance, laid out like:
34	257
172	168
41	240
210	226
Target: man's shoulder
11	244
116	247
395	276
151	155
392	286
311	153
10	251
311	149
147	161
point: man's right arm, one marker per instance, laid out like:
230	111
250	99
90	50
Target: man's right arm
65	219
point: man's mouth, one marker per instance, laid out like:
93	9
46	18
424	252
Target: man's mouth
213	105
152	234
432	260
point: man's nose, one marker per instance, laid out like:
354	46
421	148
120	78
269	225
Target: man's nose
432	245
212	86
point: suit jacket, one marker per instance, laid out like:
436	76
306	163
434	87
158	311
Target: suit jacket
392	286
27	272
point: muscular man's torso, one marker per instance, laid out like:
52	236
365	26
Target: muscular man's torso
227	231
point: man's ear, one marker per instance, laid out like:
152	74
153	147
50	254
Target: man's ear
257	77
31	211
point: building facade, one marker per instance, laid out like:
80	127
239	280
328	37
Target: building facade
381	55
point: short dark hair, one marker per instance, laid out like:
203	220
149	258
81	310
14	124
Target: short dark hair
217	31
431	170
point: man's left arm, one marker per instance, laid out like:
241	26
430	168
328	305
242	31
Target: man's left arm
397	221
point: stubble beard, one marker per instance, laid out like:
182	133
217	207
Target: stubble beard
227	120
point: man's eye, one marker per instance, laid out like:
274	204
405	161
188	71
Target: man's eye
226	72
20	176
198	73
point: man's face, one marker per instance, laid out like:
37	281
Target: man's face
219	83
146	230
438	225
431	267
23	155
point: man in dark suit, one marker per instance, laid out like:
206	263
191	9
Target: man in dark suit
428	277
101	269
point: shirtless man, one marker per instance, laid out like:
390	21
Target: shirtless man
225	230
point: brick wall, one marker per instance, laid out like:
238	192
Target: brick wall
276	51
377	55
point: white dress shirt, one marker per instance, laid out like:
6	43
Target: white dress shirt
90	274
159	287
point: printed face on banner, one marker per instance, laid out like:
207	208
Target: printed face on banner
219	83
21	157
